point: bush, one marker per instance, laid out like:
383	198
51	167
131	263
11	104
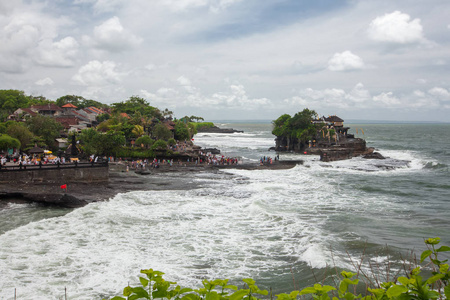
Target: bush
8	142
159	145
144	140
171	142
411	286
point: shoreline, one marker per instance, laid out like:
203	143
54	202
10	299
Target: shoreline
79	194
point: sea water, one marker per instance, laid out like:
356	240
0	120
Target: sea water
283	228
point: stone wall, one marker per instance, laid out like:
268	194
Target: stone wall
56	175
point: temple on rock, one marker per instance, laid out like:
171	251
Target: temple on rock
328	137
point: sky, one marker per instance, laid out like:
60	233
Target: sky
235	59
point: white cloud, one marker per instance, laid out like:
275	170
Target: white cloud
101	6
186	84
23	32
190	96
359	94
112	36
58	54
97	74
237	98
357	98
222	5
388	99
396	27
214	6
179	5
440	93
44	81
345	61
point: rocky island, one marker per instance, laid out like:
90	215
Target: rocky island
215	129
325	136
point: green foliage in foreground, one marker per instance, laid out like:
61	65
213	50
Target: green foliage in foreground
413	286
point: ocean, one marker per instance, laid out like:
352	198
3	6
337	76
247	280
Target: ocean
287	229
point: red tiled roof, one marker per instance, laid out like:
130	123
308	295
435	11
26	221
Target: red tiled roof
93	109
125	115
69	105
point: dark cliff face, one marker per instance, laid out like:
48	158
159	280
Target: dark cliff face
216	129
328	149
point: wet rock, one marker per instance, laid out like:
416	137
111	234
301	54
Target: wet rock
374	155
216	129
61	200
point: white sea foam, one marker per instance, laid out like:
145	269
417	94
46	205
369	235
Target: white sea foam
229	230
241	225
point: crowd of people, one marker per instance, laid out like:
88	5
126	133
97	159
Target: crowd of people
203	159
268	160
23	160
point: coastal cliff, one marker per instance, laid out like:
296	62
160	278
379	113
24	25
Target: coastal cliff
216	129
326	136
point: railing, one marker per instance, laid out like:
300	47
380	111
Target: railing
22	168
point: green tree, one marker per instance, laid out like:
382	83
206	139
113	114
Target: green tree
182	131
159	145
7	142
171	142
167	113
162	132
87	103
138	130
10	100
20	132
94	142
136	104
72	99
39	100
281	125
196	119
144	140
3	128
103	117
89	140
45	127
110	143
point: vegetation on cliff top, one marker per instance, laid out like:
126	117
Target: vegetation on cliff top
128	128
295	132
299	126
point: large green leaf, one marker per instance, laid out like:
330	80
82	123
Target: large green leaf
140	292
212	296
308	290
238	295
443	248
190	297
283	297
433	241
425	254
396	290
143	281
435	278
447	291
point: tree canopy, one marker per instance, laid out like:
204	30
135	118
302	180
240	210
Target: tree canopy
45	127
299	126
8	142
